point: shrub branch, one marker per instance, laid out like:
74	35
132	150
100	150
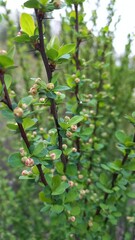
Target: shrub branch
7	101
48	70
114	178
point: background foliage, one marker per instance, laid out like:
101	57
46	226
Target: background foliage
106	91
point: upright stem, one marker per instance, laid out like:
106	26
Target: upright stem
114	178
77	62
42	48
97	107
7	101
78	41
48	70
6	95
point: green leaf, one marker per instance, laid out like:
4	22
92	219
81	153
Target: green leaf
44	2
98	146
11	52
61	189
51	95
75	211
71	196
27	24
54	43
28	122
55	78
59	167
106	167
8	80
15	160
32	4
57	208
68	48
12	126
70	82
63	58
116	165
8	114
121	136
49	7
27	100
130	166
64	125
71	170
5	61
61	88
26	177
131	194
44	198
87	132
52	54
46	208
75	120
104	179
35	170
56	181
100	186
23	38
49	179
38	148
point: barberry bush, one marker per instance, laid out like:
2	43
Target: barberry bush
67	115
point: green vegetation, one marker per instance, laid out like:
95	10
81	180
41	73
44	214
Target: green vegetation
67	167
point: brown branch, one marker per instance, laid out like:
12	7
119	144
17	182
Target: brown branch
48	70
20	126
42	177
97	107
76	57
77	62
78	39
41	46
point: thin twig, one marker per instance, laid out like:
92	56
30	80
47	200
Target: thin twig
114	178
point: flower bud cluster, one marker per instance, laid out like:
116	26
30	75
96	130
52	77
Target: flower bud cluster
22	152
26	173
74	128
72	218
29	162
53	156
71	183
69	134
33	90
42	100
18	112
50	86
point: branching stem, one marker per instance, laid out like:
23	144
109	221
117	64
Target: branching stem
48	70
7	100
